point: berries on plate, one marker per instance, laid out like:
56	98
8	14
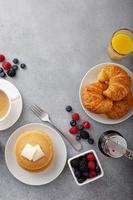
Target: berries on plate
11	72
86	124
84	134
23	66
15	67
91	165
1	69
80	127
6	65
90	157
90	140
15	61
73	130
75	116
92	174
2	74
73	123
2	57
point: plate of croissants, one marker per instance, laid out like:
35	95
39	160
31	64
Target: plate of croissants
106	93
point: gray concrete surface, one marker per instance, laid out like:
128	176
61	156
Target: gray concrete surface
60	40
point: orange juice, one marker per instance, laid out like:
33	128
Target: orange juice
122	43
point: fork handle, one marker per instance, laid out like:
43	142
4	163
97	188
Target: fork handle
72	141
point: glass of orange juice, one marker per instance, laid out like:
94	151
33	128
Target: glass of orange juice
121	44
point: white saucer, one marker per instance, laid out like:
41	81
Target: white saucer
45	176
90	77
16	106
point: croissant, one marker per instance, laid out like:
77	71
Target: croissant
118	82
121	108
93	99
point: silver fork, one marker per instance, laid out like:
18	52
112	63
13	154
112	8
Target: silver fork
43	116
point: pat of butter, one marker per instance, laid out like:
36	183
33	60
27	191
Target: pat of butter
32	153
28	151
38	154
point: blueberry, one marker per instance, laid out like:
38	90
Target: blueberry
77	173
11	72
83	167
73	123
23	65
1	69
68	108
98	170
80	127
15	67
86	174
84	159
75	163
82	179
84	134
15	61
2	74
78	137
90	140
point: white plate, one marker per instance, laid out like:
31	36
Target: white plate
16	106
90	77
39	178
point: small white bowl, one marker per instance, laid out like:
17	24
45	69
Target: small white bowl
89	179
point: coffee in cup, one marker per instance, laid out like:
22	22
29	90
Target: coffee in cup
4	104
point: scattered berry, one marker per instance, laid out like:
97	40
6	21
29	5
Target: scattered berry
15	61
6	65
75	162
2	57
90	156
2	74
86	124
92	174
1	69
68	108
78	137
84	134
15	67
23	65
80	127
11	72
73	123
75	116
73	130
83	166
91	165
90	140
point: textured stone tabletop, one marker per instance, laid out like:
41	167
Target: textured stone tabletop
60	40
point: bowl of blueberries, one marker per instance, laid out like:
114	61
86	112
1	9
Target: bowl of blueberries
85	167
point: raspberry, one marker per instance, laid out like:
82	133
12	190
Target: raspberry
92	174
6	65
90	157
86	124
2	57
75	116
73	130
91	165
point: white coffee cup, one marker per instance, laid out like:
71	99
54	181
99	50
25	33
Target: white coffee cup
10	100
